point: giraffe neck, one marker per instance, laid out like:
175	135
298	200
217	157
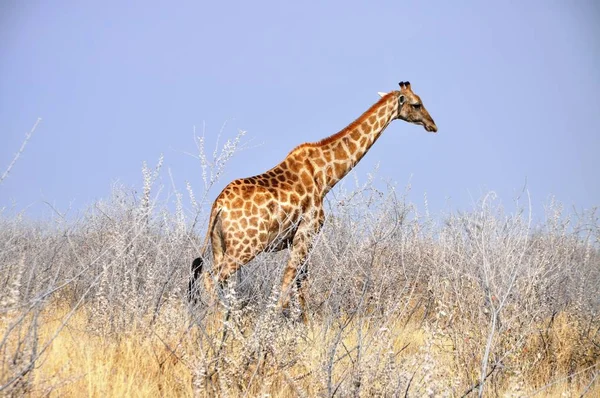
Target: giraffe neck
342	151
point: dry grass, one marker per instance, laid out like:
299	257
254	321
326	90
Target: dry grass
401	303
160	362
80	363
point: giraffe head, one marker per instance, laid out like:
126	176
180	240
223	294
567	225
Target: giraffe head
411	109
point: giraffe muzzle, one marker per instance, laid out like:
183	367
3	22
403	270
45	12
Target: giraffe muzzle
432	128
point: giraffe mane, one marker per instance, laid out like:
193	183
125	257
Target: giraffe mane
351	126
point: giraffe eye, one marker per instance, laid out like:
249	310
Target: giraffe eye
416	106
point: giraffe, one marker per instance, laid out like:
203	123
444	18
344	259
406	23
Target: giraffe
283	207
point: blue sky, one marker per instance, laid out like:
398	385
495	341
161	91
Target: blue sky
514	88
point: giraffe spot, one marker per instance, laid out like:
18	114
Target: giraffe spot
340	170
246	241
340	152
329	171
319	175
243	223
365	127
352	147
294	199
300	189
381	111
319	162
306	202
372	119
295	166
355	135
363	142
327	155
232	225
247	206
263	225
246	251
252	232
259	199
253	221
281	177
306	179
237	203
254	208
263	236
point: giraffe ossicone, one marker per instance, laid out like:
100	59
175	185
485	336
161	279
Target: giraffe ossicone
283	207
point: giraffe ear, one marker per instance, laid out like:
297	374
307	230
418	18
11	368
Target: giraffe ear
381	94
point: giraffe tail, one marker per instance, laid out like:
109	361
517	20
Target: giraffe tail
196	271
198	263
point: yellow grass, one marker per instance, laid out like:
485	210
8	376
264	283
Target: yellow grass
161	360
80	363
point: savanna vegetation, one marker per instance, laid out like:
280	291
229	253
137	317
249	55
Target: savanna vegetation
401	302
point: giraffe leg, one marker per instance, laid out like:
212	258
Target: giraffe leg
229	267
223	270
296	269
303	290
291	274
209	286
218	250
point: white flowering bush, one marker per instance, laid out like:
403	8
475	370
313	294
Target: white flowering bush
401	302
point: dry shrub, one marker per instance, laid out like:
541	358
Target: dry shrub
400	302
